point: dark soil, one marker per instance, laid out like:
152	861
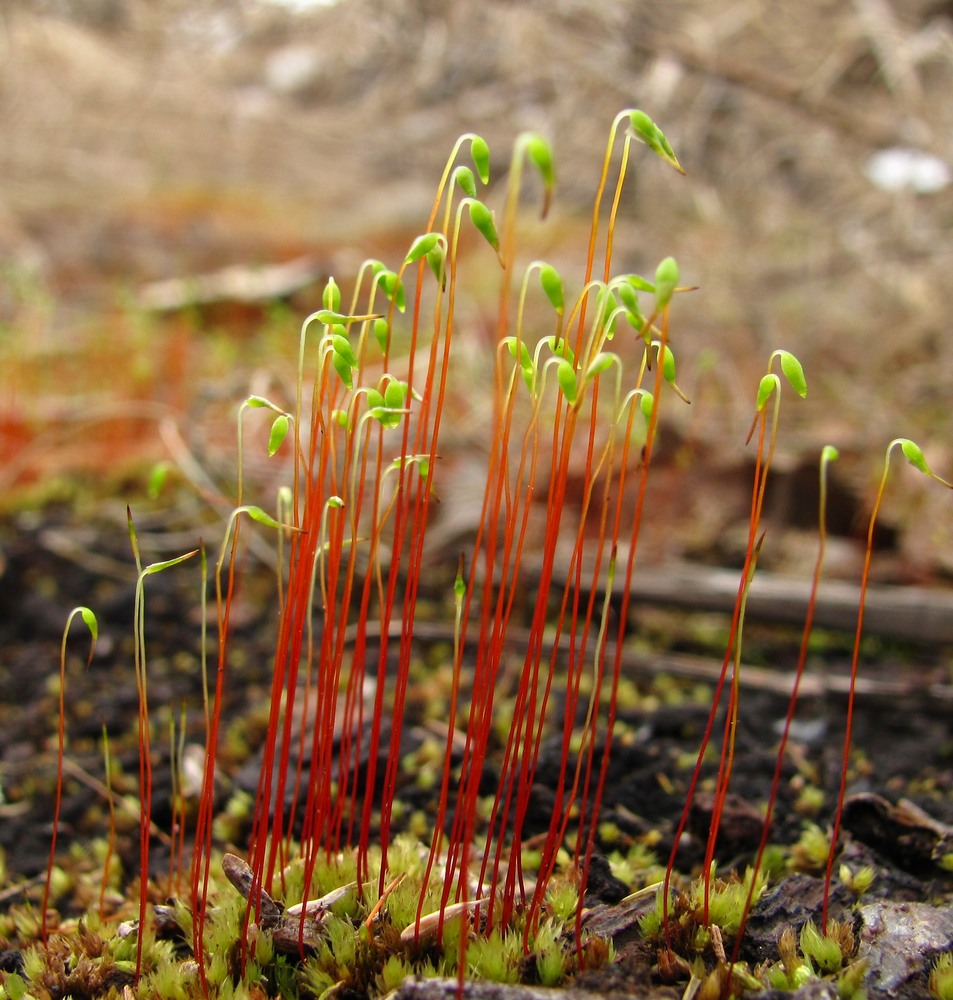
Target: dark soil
55	560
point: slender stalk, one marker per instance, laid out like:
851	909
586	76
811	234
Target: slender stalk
914	456
145	753
111	805
828	454
89	619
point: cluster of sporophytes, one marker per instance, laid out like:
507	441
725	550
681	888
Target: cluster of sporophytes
329	896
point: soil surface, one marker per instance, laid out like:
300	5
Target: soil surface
899	816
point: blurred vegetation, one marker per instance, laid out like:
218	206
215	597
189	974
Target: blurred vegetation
151	142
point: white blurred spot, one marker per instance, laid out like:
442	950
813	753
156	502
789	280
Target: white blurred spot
901	168
292	68
302	5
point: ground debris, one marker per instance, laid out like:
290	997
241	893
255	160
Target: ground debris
445	989
904	832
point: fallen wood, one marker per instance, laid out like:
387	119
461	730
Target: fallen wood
898	612
916	613
240	284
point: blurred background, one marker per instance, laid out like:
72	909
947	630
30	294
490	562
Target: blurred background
178	179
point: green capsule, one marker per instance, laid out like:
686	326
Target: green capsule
767	386
395	393
602	362
552	285
480	152
913	454
666	281
421	246
332	296
343	369
342	346
793	372
463	177
540	154
482	218
645	130
566	376
374	399
279	430
381	333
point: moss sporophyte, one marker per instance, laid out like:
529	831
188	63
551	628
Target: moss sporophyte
328	893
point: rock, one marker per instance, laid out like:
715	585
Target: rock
899	942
